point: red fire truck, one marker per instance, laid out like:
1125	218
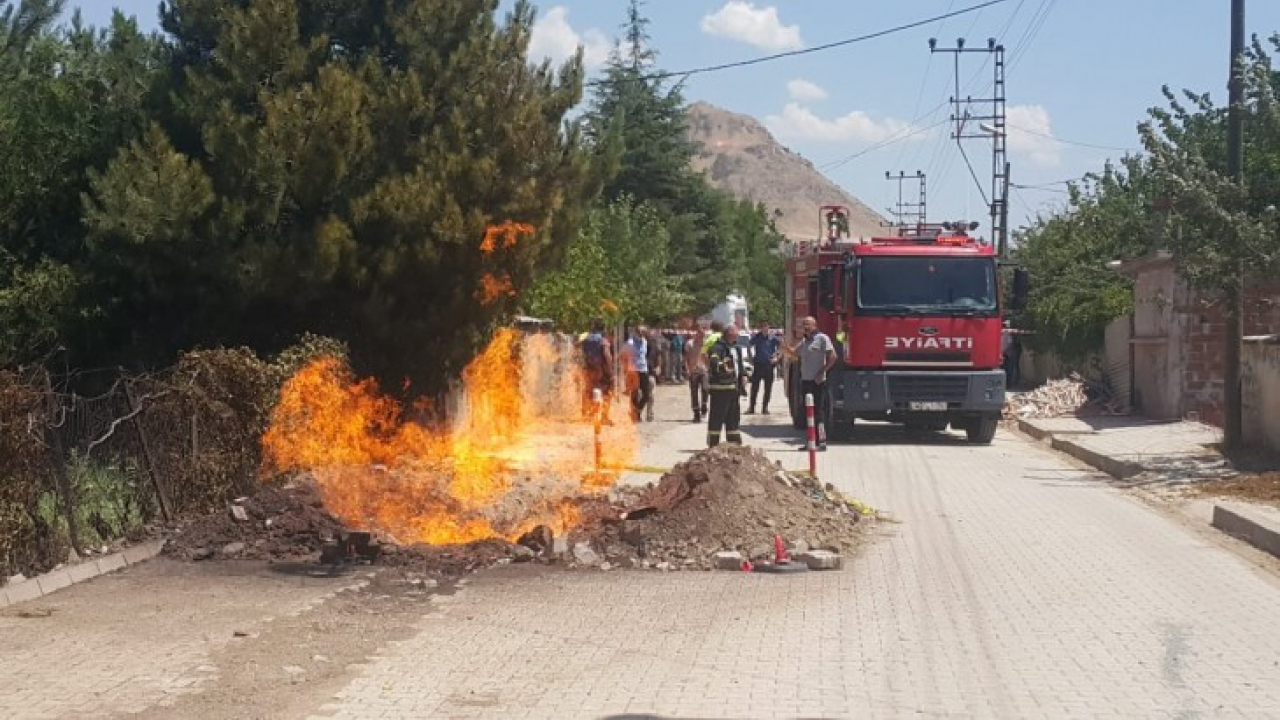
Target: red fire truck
916	319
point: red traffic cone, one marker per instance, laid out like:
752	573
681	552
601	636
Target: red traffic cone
780	555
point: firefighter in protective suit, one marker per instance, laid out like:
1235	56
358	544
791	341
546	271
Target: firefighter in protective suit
726	373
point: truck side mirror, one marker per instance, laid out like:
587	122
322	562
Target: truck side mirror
1021	281
827	288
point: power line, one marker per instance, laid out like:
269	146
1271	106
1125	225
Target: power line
924	81
898	137
817	48
1033	29
1029	131
973	174
1039	188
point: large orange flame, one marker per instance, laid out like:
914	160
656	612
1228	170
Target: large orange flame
516	451
494	287
508	234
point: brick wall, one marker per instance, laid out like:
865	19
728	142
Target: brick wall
1203	348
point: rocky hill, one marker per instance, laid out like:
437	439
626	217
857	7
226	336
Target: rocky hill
740	156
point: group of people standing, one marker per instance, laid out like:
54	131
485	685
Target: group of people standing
719	368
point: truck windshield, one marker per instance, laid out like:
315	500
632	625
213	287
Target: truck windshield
896	285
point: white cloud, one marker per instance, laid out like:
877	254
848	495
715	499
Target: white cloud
803	90
800	123
758	26
1031	134
553	37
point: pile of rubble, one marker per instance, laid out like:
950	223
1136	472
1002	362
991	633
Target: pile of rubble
284	521
727	499
1072	395
287	522
723	500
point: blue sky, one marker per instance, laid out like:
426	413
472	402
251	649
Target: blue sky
1081	75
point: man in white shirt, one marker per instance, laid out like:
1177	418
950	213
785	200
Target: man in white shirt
817	356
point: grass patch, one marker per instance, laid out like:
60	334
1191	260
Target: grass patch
108	501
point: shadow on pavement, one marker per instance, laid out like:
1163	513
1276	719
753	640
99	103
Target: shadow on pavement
313	569
772	432
864	434
669	717
885	434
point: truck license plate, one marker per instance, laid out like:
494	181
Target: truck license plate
927	406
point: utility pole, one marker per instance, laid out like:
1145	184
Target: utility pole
990	126
905	209
1233	424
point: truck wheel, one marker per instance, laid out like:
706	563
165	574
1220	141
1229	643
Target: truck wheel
982	430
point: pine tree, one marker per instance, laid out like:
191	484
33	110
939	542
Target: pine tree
356	154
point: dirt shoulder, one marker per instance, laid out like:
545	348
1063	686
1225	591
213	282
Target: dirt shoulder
1261	488
169	639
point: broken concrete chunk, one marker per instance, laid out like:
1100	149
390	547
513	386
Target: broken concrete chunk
727	560
821	560
239	513
560	545
234	548
583	554
520	553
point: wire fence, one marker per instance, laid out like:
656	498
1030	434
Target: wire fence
78	472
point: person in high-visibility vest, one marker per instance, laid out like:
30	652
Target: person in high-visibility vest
727	382
712	337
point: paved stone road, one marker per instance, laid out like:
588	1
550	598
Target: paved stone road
1014	586
141	638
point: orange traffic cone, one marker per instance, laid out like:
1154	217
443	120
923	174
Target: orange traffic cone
780	555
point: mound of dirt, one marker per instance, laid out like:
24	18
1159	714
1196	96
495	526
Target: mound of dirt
285	521
728	498
288	522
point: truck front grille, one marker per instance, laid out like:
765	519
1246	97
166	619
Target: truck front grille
928	357
906	388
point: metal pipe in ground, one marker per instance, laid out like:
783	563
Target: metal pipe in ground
597	397
813	436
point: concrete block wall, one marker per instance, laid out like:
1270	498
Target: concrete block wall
1260	376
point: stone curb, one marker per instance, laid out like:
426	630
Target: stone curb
1027	428
1256	526
39	586
1118	469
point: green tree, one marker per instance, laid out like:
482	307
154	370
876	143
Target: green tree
637	125
615	268
1225	225
333	167
1106	217
69	98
